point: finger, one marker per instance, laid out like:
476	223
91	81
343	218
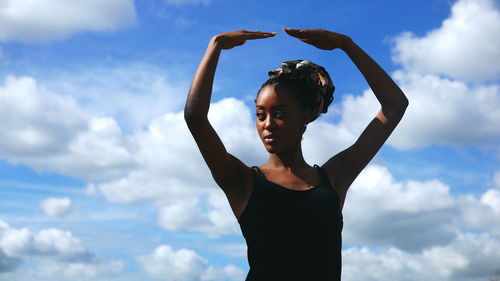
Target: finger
298	33
258	36
291	31
260	32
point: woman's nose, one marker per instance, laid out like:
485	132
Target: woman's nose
269	123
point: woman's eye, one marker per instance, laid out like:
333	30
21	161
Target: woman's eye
261	116
278	114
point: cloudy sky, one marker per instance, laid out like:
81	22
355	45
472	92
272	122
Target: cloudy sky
100	179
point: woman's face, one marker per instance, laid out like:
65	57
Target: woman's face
280	120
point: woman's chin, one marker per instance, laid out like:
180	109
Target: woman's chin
272	148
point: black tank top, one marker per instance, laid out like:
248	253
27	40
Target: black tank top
292	235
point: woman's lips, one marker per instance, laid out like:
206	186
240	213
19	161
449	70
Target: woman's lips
270	139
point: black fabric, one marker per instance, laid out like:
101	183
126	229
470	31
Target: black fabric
291	234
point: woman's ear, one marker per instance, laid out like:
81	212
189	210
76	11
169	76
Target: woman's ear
318	109
307	116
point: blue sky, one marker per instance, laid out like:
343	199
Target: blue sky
100	179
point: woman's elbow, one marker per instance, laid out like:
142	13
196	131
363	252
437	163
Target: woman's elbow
404	103
194	118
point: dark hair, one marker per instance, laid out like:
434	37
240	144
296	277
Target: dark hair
306	81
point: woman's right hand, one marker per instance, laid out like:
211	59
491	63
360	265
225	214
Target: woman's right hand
229	40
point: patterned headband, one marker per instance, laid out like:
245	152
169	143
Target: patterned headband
315	77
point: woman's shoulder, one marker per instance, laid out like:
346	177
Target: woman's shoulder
332	170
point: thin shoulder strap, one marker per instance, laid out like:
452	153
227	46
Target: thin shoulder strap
324	177
257	177
258	171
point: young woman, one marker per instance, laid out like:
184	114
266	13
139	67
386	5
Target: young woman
290	212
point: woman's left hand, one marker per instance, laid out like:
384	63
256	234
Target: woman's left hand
320	38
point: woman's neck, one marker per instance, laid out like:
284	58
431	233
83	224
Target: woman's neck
291	160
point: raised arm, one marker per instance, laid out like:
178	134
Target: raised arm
344	167
229	173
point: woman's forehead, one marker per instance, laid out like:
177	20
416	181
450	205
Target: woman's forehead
274	96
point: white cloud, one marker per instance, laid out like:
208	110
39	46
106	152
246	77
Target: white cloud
174	175
76	127
168	264
182	264
322	139
7	263
133	94
470	257
159	163
183	215
53	271
228	272
146	185
414	216
441	111
188	215
449	111
35	21
446	112
233	121
53	243
483	212
172	168
465	46
80	271
235	250
36	121
57	251
491	198
379	211
56	207
50	132
391	264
